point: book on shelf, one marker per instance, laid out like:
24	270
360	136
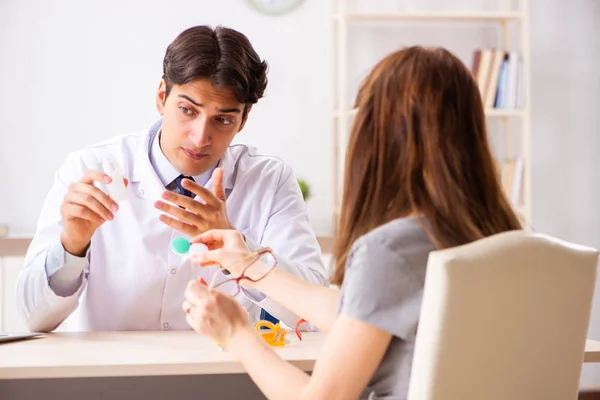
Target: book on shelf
499	75
511	179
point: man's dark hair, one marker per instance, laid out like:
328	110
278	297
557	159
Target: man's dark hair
222	55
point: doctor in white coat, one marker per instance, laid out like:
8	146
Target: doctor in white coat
96	264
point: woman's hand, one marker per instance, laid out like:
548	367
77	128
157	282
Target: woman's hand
228	249
214	314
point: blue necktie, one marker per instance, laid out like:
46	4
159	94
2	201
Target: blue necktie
183	190
265	316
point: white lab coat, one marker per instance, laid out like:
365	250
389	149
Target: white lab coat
131	280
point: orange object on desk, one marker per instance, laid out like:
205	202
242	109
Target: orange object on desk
275	336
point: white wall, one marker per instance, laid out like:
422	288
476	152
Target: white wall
565	46
75	72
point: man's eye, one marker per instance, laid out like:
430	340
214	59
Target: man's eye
225	121
186	110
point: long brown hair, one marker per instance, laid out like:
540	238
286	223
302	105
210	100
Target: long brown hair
419	145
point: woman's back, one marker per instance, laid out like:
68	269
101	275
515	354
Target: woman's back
383	287
418	146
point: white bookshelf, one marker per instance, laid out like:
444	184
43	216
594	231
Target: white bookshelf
343	19
429	16
490	113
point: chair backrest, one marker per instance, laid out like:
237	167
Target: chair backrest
505	317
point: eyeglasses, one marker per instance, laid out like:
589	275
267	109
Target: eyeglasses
252	271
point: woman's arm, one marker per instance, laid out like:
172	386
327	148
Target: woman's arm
316	304
348	360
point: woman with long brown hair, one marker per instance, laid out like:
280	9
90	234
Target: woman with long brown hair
419	176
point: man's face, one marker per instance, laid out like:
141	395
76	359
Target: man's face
199	123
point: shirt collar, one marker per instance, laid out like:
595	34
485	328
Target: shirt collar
165	171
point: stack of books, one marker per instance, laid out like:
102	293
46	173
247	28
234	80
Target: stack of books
499	75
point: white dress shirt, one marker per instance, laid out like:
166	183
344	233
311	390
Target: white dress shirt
129	278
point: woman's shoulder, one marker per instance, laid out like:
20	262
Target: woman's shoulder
398	236
385	276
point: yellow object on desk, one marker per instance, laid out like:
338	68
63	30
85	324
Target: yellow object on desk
274	337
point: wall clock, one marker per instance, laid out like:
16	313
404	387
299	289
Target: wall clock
275	7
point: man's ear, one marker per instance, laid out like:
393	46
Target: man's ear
161	96
248	109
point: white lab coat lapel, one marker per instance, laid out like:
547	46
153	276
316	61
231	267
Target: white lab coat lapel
147	184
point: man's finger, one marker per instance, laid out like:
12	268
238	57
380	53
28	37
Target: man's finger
181	226
199	190
92	176
89	201
186	202
78	211
93	191
217	184
179	213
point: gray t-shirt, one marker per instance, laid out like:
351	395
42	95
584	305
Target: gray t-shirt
383	286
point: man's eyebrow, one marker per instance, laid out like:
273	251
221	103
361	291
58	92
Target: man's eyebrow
222	110
188	98
230	110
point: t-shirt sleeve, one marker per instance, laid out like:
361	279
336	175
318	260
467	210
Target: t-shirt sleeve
380	289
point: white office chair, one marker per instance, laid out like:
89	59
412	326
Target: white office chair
504	318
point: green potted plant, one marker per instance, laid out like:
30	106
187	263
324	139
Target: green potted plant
305	189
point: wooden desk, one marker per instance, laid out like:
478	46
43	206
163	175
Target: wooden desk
105	354
102	365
